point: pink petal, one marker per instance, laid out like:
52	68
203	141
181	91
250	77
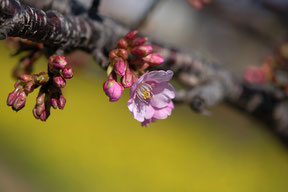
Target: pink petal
159	76
164	112
149	112
138	111
164	88
160	100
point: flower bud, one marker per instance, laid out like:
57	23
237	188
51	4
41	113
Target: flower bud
139	41
131	35
41	78
26	78
54	103
43	116
67	72
40	108
29	87
127	79
122	43
120	67
20	101
118	53
35	114
59	82
57	61
141	51
61	102
113	90
12	97
154	59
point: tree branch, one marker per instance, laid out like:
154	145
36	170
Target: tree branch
208	83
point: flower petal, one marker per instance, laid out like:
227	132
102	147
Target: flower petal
164	112
138	110
164	88
158	76
160	100
149	112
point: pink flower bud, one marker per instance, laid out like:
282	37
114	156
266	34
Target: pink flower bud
123	53
35	114
12	97
61	102
40	99
57	61
131	35
113	89
59	82
118	53
67	72
40	108
54	103
154	59
120	67
29	87
20	101
122	43
141	51
26	78
41	78
43	116
127	80
139	41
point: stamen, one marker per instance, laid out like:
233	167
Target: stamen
144	93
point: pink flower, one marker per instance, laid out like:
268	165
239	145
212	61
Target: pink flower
150	97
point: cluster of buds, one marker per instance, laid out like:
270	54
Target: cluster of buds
274	69
129	60
50	94
25	85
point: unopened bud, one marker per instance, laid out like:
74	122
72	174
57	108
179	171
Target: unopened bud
61	102
113	90
26	78
118	53
59	82
141	51
122	43
54	103
139	41
131	35
12	97
127	79
41	78
67	72
154	59
29	87
57	61
20	101
120	67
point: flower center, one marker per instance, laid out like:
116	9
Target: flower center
144	92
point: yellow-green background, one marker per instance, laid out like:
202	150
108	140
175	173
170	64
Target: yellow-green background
97	146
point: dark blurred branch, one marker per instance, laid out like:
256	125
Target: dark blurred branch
208	82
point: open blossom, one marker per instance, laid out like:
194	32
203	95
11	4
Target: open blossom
151	97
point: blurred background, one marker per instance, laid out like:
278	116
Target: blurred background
93	145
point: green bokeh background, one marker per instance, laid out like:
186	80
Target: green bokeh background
93	145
